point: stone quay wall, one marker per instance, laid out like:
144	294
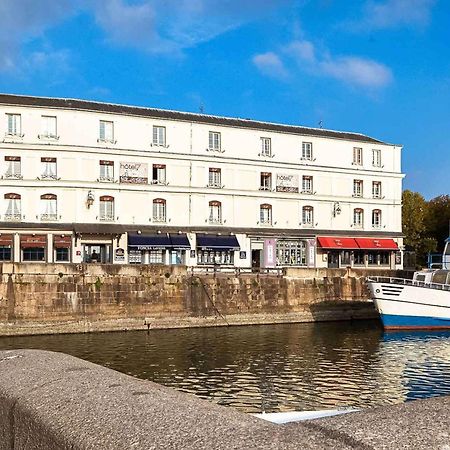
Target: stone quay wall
50	298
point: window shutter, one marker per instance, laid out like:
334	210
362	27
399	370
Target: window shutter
155	135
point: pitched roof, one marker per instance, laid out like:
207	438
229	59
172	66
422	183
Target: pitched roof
85	105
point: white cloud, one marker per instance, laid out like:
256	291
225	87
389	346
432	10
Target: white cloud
352	70
270	64
393	13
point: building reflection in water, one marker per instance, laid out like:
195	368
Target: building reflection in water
274	367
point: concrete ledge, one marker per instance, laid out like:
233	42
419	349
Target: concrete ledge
55	401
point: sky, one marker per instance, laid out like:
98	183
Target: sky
378	67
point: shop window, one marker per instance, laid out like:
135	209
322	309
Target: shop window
13	207
265	214
214	177
49	207
156	256
33	254
265	181
159	210
308	215
49	168
159	136
159	174
13	167
358	258
372	258
62	254
291	253
215	257
215	212
5	253
107	208
345	258
266	147
106	171
134	256
384	258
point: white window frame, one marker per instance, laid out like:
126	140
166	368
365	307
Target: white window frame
376	189
106	210
307	151
266	147
358	188
263	177
357	156
48	127
376	218
215	141
49	170
159	174
215	213
49	208
106	131
307	184
13	209
14	169
308	215
159	136
265	214
14	125
376	157
214	177
159	213
358	218
106	172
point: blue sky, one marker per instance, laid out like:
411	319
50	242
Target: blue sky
379	67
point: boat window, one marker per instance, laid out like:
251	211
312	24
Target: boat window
440	276
420	277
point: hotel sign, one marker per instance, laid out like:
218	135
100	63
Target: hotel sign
286	182
134	173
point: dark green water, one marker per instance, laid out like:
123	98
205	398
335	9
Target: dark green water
274	367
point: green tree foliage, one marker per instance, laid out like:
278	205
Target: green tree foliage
413	218
437	219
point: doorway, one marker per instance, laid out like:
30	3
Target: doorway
97	253
256	259
333	260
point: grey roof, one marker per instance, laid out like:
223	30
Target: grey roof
67	103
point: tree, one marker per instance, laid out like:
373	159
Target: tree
437	219
413	219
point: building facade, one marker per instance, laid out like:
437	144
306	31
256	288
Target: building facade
92	182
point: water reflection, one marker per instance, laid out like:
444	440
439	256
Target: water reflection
273	368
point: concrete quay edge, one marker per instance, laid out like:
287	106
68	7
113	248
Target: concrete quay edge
56	401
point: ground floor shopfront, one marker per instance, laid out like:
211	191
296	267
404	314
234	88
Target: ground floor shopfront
114	244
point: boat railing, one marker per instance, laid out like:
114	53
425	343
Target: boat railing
409	282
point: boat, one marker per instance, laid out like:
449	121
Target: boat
420	303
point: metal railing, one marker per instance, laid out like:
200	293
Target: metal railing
278	271
409	282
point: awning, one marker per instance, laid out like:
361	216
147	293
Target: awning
33	241
210	242
376	244
62	241
6	239
149	242
179	241
338	243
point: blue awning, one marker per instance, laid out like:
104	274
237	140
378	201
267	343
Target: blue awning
210	242
158	241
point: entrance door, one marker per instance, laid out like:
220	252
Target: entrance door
256	259
333	259
97	253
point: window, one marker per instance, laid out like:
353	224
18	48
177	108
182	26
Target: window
358	218
156	256
106	170
33	254
265	214
291	253
62	254
214	141
159	136
107	208
266	147
48	168
159	174
48	127
49	207
13	167
265	181
376	189
308	215
13	207
376	158
358	258
14	125
214	177
307	151
307	184
106	132
159	210
5	253
376	218
357	188
357	156
215	212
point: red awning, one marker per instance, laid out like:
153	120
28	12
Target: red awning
376	244
338	242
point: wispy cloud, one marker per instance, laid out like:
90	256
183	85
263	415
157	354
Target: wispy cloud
395	13
350	69
270	64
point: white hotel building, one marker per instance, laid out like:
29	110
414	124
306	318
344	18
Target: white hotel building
92	182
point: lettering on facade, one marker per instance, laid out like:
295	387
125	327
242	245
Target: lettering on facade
287	183
134	173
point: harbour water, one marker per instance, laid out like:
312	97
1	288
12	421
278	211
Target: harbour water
273	368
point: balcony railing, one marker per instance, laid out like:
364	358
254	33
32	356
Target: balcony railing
215	221
13	176
12	217
107	218
106	179
159	219
49	217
